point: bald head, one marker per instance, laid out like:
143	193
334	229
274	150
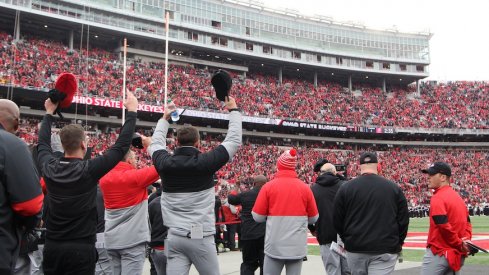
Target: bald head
9	115
259	180
328	168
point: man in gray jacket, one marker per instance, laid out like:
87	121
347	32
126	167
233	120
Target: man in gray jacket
187	200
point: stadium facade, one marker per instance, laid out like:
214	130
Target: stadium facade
244	34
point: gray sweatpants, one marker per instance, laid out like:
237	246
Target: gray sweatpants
182	252
159	260
272	266
436	265
371	264
128	261
334	264
104	264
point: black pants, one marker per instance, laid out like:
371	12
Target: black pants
252	251
230	235
69	258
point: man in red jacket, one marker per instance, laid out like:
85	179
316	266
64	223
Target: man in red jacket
124	190
287	205
449	224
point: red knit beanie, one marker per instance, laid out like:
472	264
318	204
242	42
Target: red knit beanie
288	160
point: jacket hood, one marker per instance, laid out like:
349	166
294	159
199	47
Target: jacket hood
327	179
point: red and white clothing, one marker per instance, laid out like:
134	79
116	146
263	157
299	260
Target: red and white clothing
126	205
288	205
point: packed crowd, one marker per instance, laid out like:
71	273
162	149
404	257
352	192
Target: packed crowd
399	164
35	63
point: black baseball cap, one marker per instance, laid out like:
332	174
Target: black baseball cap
368	157
222	82
438	167
136	141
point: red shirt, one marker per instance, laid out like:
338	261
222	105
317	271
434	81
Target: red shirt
449	221
125	185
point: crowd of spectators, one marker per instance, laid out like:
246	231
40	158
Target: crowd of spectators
402	165
35	63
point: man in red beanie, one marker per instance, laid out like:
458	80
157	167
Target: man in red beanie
287	204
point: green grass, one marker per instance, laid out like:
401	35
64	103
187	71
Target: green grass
480	224
414	255
313	250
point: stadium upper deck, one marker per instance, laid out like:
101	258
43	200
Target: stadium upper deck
243	34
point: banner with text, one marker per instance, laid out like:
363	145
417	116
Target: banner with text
115	104
224	116
332	127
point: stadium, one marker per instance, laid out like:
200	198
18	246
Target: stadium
329	89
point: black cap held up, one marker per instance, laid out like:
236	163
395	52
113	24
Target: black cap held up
438	167
368	157
319	164
137	142
222	82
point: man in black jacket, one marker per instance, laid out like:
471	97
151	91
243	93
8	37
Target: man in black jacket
187	200
71	182
21	198
371	216
252	233
325	189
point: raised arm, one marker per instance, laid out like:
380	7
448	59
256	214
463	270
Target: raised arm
234	136
157	149
101	165
44	151
224	153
